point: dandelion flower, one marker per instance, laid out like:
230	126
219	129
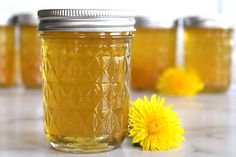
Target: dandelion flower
154	126
176	81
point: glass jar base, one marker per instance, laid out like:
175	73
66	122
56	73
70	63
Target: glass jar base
70	149
215	89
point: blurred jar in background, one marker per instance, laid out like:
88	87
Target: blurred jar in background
6	54
207	50
153	51
29	50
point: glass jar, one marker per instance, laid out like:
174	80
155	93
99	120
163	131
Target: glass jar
85	68
29	51
153	51
207	50
6	55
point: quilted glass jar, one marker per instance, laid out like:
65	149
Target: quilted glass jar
29	51
153	51
207	50
85	68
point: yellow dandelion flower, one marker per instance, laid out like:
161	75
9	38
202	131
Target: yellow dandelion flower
154	125
176	81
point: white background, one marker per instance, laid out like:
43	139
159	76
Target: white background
156	7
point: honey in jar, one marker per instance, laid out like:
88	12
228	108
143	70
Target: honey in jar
153	51
207	50
6	55
29	51
85	69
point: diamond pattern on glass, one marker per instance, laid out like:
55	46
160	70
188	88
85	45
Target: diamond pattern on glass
86	89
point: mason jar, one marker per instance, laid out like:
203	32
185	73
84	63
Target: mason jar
207	50
6	54
29	51
153	51
85	69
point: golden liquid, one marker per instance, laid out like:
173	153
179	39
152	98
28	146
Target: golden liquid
86	90
30	56
6	55
208	52
153	51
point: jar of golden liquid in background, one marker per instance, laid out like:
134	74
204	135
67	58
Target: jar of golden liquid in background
153	51
6	54
29	51
85	68
207	50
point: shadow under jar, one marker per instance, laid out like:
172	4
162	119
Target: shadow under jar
153	51
85	68
207	50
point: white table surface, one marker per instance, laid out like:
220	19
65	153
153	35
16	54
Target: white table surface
209	121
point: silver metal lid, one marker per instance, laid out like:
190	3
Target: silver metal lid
23	19
209	22
86	20
153	22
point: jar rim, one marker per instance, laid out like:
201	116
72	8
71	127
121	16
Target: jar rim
207	22
153	22
86	20
23	19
